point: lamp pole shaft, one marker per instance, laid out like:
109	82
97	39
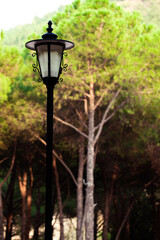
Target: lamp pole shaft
48	200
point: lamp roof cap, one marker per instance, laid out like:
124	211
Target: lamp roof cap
49	34
49	38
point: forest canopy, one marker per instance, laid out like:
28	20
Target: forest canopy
106	129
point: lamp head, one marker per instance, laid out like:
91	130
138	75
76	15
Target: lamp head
49	51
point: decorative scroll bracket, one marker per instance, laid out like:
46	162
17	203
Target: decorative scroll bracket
64	66
36	67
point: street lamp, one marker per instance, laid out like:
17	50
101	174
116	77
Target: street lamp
49	51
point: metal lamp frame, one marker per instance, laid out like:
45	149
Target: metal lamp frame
49	39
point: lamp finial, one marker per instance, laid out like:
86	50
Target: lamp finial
49	29
49	34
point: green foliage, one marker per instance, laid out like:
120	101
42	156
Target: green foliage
5	88
148	9
18	37
115	50
120	50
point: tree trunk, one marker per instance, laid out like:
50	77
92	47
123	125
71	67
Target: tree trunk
127	229
29	205
125	219
28	215
108	199
80	229
95	223
106	217
60	205
36	232
4	180
37	222
157	222
89	204
10	204
1	216
23	190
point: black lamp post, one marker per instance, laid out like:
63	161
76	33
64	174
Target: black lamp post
49	51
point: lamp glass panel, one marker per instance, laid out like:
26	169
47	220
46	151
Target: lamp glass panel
56	52
42	51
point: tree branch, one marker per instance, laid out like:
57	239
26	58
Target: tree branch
80	118
11	167
112	114
70	125
100	99
67	168
62	162
125	218
1	161
104	118
85	84
80	91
